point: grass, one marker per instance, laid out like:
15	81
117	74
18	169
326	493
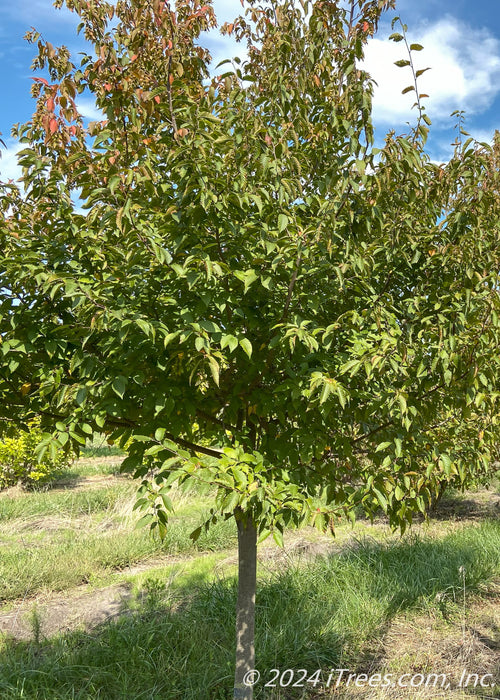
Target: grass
178	641
68	503
60	538
68	557
177	638
100	448
93	468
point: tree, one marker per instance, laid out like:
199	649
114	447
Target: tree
251	294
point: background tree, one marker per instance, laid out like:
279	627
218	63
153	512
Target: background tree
253	296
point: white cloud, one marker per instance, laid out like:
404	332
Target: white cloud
227	10
9	169
465	72
222	47
482	135
88	109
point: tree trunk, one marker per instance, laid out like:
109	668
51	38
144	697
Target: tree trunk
245	607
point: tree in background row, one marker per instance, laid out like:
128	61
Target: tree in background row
226	275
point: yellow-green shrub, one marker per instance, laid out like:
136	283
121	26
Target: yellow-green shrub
19	462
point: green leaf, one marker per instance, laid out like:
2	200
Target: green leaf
153	450
230	502
325	393
167	502
282	222
247	346
383	446
399	447
81	395
145	520
229	341
263	535
446	463
214	368
63	439
278	537
381	499
249	278
353	367
146	328
402	403
195	535
169	337
201	343
119	385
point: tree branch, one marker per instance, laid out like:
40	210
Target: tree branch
213	419
194	447
169	92
291	287
126	423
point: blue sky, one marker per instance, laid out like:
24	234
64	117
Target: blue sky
461	46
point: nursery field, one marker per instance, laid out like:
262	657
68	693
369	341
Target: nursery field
92	608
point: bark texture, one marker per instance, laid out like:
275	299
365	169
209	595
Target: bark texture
245	610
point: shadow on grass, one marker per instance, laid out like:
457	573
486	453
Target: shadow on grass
101	449
72	479
457	507
177	643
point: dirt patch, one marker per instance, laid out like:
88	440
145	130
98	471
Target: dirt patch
46	616
297	549
54	614
77	483
45	524
440	656
51	616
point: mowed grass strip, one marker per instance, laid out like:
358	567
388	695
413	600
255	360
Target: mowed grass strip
57	539
178	643
67	503
70	557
